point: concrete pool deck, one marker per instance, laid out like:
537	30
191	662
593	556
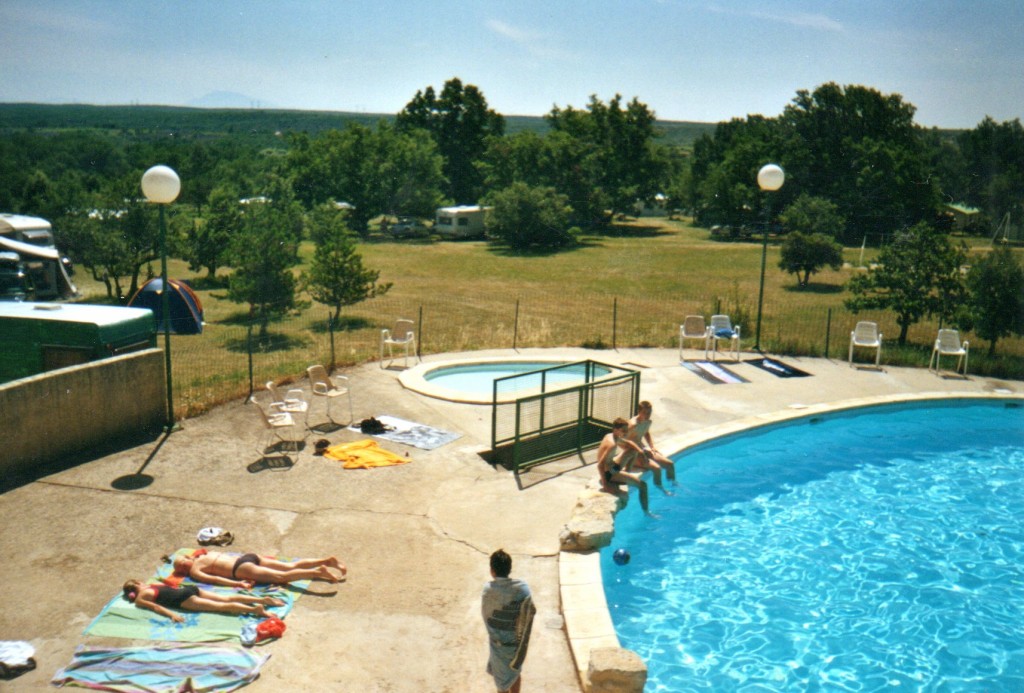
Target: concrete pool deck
415	537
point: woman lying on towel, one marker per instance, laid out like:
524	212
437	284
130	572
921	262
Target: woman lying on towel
163	598
249	569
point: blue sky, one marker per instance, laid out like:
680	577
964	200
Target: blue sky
702	61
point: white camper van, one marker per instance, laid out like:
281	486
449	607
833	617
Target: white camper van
466	221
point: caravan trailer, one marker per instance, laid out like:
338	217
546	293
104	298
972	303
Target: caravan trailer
30	266
466	221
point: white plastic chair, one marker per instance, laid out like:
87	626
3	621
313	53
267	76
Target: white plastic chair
330	388
693	327
276	424
948	344
723	329
293	402
404	336
867	336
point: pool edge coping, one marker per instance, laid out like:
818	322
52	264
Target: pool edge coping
585	614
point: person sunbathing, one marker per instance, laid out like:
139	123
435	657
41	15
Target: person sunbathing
214	568
163	598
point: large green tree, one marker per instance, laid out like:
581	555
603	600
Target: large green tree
851	145
378	170
995	305
918	274
619	143
460	123
994	159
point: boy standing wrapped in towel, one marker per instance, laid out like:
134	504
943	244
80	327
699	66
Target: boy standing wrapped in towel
508	611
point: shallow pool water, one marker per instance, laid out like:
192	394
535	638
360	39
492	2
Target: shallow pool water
874	550
477	379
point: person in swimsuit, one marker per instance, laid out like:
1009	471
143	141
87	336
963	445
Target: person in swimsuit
639	432
163	598
249	569
613	468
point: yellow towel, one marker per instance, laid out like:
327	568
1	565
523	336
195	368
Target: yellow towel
363	454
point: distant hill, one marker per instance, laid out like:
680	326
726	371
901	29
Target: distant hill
258	123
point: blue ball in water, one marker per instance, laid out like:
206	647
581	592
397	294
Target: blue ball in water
621	556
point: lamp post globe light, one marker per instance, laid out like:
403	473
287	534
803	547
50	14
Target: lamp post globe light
161	185
770	178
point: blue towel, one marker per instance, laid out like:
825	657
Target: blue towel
161	668
723	333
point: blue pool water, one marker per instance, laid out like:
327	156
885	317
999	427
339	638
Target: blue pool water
478	378
875	550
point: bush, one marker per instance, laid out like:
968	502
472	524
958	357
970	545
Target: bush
525	217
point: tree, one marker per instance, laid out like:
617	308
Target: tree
114	236
620	143
918	275
994	155
264	254
207	243
379	171
808	254
460	123
336	275
995	303
810	215
525	217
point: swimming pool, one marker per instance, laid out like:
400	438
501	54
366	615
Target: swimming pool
872	549
473	381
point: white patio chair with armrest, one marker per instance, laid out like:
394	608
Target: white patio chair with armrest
402	335
276	423
866	336
294	400
722	329
330	388
948	344
693	327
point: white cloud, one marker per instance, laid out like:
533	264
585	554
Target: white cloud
805	20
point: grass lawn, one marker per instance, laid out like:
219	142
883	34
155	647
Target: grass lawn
630	287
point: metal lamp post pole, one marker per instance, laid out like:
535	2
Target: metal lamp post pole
760	293
166	313
161	185
770	178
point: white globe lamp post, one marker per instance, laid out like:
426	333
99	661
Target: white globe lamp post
161	185
770	178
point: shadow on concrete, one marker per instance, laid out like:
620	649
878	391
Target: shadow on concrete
279	463
133	482
22	477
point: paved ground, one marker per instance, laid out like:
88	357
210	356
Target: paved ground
415	537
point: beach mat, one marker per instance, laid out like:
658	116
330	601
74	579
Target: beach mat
409	433
778	368
165	667
713	372
122	619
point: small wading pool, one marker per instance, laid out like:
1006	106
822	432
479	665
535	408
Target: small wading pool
473	381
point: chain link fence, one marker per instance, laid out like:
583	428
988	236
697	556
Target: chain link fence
231	359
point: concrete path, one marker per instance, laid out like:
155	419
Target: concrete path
415	537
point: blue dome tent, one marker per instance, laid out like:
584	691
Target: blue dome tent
186	310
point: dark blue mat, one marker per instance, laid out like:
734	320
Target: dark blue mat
778	368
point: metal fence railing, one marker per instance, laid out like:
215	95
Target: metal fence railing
231	358
569	408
